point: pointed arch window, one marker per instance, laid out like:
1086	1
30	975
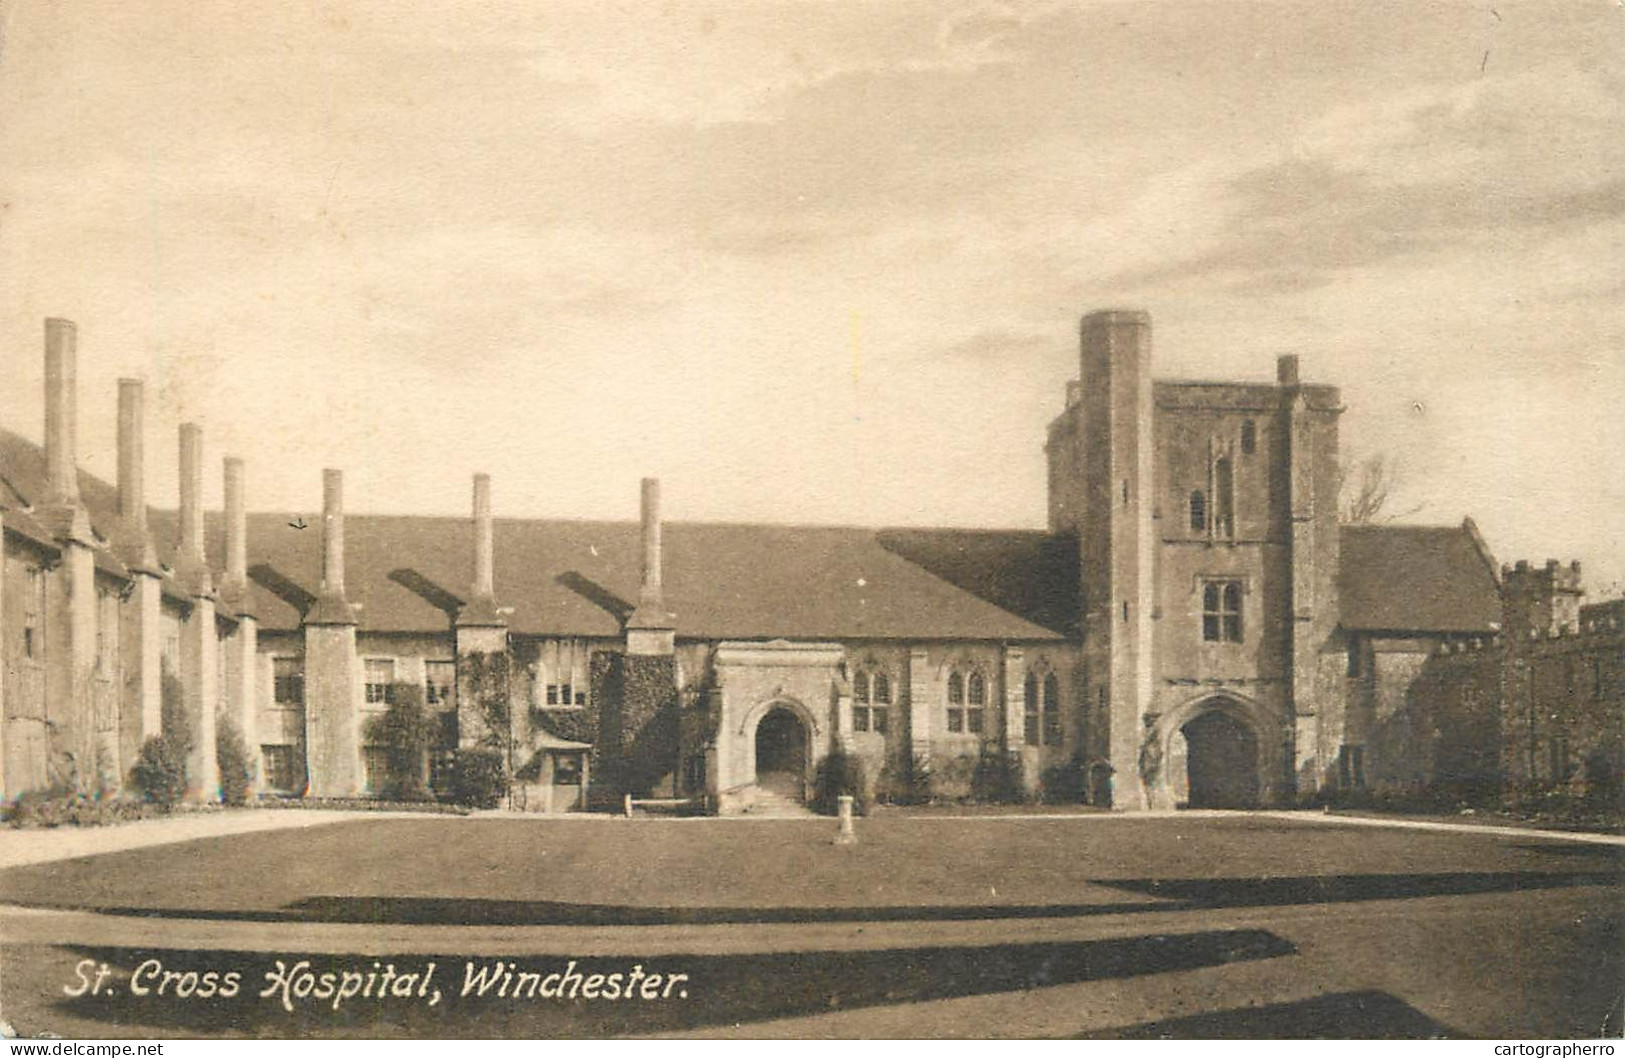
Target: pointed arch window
1052	711
1030	710
1224	497
975	702
967	701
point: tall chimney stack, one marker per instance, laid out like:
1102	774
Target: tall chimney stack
191	566
332	607
650	594
481	609
61	414
482	536
135	540
61	508
333	533
650	629
234	582
1286	370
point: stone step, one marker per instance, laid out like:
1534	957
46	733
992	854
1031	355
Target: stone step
769	803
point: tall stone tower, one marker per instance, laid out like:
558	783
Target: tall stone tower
1205	515
1542	601
1113	466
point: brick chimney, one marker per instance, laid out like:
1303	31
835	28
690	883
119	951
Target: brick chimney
332	607
1286	370
61	508
650	629
134	543
191	566
481	609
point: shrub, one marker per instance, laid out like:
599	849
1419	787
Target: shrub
1000	778
1065	783
480	779
231	757
840	773
917	785
60	805
404	732
159	774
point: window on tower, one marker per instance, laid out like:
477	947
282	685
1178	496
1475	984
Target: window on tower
1221	611
1198	512
1224	499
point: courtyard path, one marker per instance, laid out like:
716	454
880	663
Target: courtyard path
20	847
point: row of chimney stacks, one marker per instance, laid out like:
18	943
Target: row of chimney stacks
62	505
132	539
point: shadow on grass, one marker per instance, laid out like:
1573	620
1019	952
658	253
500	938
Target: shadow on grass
718	989
1341	1016
1165	894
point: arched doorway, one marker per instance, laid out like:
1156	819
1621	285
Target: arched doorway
781	754
1221	761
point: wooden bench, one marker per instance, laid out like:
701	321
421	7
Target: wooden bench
670	802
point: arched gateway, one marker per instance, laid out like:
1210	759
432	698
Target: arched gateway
1212	752
782	759
1221	761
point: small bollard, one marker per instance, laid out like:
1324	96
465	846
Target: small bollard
846	835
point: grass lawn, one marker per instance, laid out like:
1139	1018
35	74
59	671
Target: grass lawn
613	871
1184	927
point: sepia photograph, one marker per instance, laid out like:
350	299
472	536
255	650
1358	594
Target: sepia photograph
812	519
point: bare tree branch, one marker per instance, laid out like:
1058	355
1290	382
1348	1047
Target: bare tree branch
1365	489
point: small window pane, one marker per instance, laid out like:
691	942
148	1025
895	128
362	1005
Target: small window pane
956	689
882	688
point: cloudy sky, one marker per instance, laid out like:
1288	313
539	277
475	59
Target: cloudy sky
818	262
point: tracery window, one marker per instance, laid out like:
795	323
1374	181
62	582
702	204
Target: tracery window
967	701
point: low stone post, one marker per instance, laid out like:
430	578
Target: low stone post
846	835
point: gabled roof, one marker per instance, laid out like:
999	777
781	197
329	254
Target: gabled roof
1416	578
722	581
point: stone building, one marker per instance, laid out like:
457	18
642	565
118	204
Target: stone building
1193	628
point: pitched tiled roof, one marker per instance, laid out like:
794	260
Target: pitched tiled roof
758	581
721	581
1416	578
22	487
